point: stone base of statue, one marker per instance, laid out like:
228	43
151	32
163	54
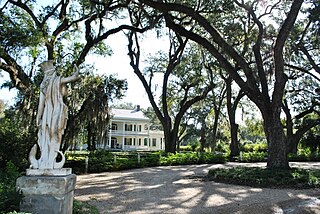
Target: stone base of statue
46	192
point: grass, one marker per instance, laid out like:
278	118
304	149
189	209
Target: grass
271	178
83	208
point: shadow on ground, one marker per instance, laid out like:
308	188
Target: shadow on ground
178	189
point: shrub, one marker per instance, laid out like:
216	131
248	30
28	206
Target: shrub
150	159
78	166
100	161
83	208
304	157
255	147
250	157
15	144
223	148
9	197
192	158
76	155
188	148
259	177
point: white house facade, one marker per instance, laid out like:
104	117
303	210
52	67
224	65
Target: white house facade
130	130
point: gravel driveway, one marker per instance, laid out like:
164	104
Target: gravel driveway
176	189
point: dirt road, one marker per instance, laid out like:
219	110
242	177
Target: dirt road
176	189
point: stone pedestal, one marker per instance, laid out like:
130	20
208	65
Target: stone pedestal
47	194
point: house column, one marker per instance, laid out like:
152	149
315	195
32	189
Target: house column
110	134
149	137
123	134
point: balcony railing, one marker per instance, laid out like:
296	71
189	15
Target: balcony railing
121	132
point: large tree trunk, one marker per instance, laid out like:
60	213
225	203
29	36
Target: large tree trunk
203	136
293	143
215	129
277	146
234	145
170	141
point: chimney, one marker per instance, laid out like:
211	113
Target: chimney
138	108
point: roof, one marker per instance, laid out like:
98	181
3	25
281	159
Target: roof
125	114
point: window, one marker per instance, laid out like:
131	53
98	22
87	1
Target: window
139	128
134	141
113	143
139	141
145	142
154	142
114	126
128	127
128	141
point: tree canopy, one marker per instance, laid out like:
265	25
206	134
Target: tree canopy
268	48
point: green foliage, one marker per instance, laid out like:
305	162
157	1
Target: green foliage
192	147
191	158
179	158
83	208
304	156
222	147
253	131
311	140
15	144
250	157
102	160
9	197
255	147
259	177
208	157
18	30
76	155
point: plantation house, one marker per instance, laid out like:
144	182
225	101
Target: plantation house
130	130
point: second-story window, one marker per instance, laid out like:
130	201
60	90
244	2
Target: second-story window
128	127
114	126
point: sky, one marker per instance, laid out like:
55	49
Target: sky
117	64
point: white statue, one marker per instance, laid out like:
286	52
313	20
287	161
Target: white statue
52	117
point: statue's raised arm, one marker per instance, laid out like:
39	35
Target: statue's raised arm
74	77
51	117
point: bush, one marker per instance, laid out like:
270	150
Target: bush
192	158
78	166
259	177
9	197
15	145
188	148
100	161
250	157
223	148
83	208
304	157
255	147
150	159
208	157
